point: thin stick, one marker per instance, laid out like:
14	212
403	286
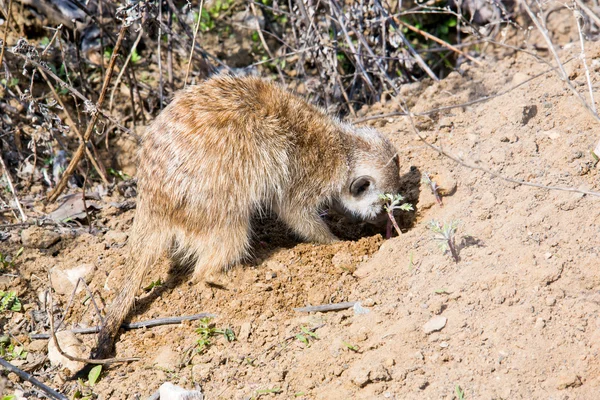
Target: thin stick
9	11
187	70
88	133
578	18
135	325
589	12
12	189
51	393
438	40
327	307
112	93
72	358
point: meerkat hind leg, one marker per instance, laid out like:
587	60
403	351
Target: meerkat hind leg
217	250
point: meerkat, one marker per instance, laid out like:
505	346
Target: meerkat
228	148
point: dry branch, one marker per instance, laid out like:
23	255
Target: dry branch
88	133
135	325
50	393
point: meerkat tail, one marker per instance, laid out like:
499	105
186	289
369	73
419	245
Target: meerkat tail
143	254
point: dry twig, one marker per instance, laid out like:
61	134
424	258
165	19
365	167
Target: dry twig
51	393
88	133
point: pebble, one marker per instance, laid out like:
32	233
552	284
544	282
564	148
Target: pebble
115	237
435	324
172	392
64	281
70	344
550	301
540	324
369	302
201	372
39	238
245	329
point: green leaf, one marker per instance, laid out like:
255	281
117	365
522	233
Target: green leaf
94	375
302	338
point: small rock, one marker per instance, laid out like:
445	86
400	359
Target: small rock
540	323
529	111
166	358
435	324
270	275
568	380
419	355
70	344
168	391
379	374
422	383
550	301
547	255
39	238
343	259
115	237
359	375
64	281
244	332
369	302
446	185
37	345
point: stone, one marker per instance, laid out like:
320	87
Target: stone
359	375
115	237
245	330
39	238
64	281
343	259
70	344
168	391
550	301
435	324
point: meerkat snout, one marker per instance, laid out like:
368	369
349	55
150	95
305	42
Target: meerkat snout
229	148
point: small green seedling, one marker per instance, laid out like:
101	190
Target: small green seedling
9	302
8	261
305	335
260	392
153	284
393	202
351	347
441	291
9	351
206	330
444	234
460	394
433	186
9	397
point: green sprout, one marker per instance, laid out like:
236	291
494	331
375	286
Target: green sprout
394	202
444	234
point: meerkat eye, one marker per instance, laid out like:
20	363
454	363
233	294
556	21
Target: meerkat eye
360	185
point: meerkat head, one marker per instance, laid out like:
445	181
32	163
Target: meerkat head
374	170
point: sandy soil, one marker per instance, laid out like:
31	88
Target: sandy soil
521	304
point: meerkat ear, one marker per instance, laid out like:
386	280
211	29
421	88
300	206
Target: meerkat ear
360	185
